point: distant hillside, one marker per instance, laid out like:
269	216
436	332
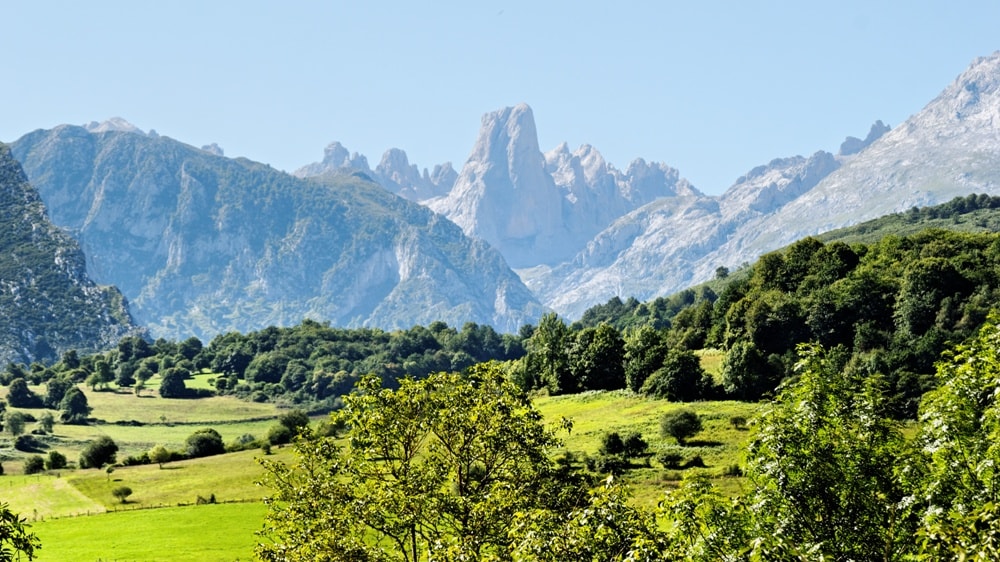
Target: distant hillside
48	304
202	244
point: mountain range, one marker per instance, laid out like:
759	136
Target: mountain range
579	231
203	244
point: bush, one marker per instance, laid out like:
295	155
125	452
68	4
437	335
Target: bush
55	461
695	462
634	445
608	464
680	424
204	443
34	464
612	444
279	435
738	422
732	470
669	459
98	453
26	443
121	492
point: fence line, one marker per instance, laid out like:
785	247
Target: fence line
140	507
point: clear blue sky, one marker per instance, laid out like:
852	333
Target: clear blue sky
711	88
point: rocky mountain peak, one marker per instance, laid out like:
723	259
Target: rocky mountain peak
854	145
116	124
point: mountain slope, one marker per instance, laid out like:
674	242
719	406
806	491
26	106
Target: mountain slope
203	244
48	304
950	148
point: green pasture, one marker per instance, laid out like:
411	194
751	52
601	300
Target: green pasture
720	444
198	533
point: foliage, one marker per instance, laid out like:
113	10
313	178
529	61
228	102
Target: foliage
55	461
680	379
15	538
14	423
34	464
98	453
204	443
680	424
20	396
74	406
122	493
435	469
159	454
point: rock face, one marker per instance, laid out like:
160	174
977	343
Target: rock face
950	148
48	304
541	209
394	172
203	244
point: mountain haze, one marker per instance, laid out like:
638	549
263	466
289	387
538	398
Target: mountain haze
203	244
48	304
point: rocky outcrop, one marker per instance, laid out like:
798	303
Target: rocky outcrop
48	303
203	244
394	172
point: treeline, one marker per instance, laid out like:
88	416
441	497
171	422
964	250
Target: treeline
311	364
890	307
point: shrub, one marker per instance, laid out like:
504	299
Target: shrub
34	464
669	459
98	453
55	461
26	443
608	464
279	435
695	462
680	424
204	443
121	492
612	444
634	445
738	422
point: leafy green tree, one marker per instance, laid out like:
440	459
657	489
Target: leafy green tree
822	466
548	357
680	424
20	396
15	538
122	493
46	422
34	464
55	461
74	406
172	383
680	378
955	481
159	454
644	352
98	453
204	442
746	374
14	423
55	389
596	359
434	470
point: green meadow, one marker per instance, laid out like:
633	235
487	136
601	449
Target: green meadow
77	518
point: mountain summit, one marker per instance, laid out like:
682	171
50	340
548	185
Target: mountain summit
202	244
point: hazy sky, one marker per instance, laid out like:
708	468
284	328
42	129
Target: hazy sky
711	88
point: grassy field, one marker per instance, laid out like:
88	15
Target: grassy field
720	444
202	533
226	531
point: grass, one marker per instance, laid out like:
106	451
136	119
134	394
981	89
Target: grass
594	414
45	495
203	533
229	477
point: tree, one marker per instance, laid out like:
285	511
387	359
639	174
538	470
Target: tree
644	353
15	539
46	422
548	358
204	443
433	470
824	466
122	492
74	406
679	379
14	423
680	424
172	383
55	461
159	454
55	390
34	464
20	396
98	453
